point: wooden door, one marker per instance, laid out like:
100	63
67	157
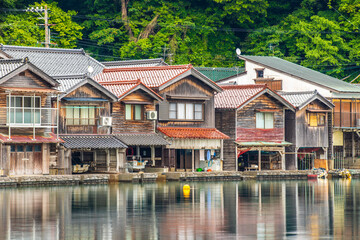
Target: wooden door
26	159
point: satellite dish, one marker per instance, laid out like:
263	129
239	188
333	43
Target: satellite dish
90	69
238	51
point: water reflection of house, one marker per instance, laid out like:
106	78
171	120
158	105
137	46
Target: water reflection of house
253	116
308	129
185	115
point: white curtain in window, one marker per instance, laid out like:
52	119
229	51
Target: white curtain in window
137	112
128	112
260	120
198	111
76	115
91	115
269	120
189	111
172	110
84	111
181	111
69	116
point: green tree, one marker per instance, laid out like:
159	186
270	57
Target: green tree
23	29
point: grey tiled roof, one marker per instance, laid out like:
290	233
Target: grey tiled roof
67	82
91	141
135	63
301	99
142	139
303	72
56	61
7	66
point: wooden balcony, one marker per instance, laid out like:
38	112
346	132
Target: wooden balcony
275	85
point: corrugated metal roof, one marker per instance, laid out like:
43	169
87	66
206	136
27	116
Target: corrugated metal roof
303	72
301	99
91	141
9	65
217	74
56	61
298	98
150	76
135	63
194	133
234	96
150	139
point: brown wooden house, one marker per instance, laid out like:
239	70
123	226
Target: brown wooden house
308	129
85	126
254	118
186	115
26	118
134	121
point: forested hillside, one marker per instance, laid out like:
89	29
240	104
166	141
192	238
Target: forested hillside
320	34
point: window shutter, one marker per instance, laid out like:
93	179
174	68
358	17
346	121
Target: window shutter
163	111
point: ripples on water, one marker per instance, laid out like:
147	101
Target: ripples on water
213	210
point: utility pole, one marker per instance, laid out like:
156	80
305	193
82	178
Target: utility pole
47	39
46	19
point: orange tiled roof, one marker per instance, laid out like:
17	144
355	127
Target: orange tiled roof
150	76
201	133
234	96
28	139
120	88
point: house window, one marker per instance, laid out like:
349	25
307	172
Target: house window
23	110
134	112
259	73
264	120
186	111
316	119
80	115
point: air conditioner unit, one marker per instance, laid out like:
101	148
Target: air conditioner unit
151	115
106	121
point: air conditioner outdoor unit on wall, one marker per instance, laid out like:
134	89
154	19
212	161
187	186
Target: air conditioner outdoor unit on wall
106	121
151	115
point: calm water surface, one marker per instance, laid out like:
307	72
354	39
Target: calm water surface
216	210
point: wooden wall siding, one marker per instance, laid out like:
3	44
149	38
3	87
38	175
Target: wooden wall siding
102	109
120	125
307	136
26	79
246	121
330	134
188	87
225	121
86	91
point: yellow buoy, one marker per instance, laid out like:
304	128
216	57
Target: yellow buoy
186	191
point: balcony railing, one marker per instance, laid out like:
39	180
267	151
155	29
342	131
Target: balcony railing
346	120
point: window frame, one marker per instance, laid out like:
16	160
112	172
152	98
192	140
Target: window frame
188	116
134	112
318	121
12	110
80	120
263	120
258	71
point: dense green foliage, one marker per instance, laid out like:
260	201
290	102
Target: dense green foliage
321	34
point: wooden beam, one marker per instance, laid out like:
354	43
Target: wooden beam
259	159
193	160
152	155
117	159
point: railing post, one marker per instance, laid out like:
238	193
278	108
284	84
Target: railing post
33	113
57	117
9	115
